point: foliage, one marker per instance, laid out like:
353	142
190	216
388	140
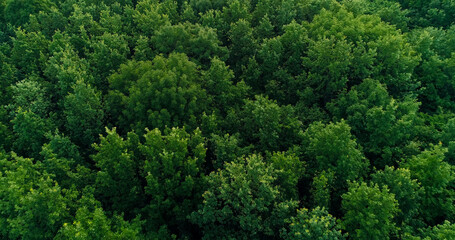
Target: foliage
84	115
314	224
117	181
436	178
164	93
174	175
332	147
369	211
406	190
212	119
243	202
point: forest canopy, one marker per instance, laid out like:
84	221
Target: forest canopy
227	119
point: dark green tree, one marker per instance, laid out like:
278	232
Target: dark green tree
18	12
266	125
30	52
84	114
29	132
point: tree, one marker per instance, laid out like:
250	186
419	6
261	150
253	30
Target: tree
91	222
118	183
166	92
434	70
30	132
31	95
430	13
227	148
8	76
84	114
380	51
109	52
242	202
312	62
6	133
448	138
64	69
436	178
321	188
242	45
149	16
221	89
173	171
30	52
266	125
328	62
369	211
33	206
290	169
61	168
406	190
385	127
442	231
47	22
198	42
389	11
332	147
18	12
314	224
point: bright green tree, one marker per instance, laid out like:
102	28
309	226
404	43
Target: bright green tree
243	202
109	51
174	175
436	178
30	94
118	184
33	206
406	190
199	43
166	92
385	127
290	169
314	224
369	211
91	222
332	147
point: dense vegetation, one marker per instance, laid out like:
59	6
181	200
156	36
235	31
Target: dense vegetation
227	119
